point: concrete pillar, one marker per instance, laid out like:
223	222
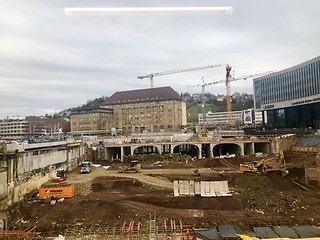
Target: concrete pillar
159	149
121	154
242	148
250	147
212	145
172	147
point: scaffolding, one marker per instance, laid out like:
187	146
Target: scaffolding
133	230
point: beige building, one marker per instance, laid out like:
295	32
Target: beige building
91	119
148	110
13	129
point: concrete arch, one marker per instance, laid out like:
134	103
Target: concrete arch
146	149
192	150
227	148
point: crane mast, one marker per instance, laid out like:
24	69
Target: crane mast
228	94
151	75
227	81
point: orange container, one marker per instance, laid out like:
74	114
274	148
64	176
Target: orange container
56	190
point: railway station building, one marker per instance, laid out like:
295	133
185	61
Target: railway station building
290	98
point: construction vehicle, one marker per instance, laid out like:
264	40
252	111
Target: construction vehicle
56	190
85	167
259	166
135	166
60	175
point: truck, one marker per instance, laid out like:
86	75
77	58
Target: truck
85	167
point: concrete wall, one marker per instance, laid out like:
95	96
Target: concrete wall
25	171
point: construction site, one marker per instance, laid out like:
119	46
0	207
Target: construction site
150	201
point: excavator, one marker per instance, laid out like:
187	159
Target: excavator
60	175
259	167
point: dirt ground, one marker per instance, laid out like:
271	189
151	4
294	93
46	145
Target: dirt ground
109	198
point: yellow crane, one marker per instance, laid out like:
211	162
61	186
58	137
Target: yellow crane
151	75
228	90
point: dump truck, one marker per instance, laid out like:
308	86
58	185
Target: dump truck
259	166
135	166
56	190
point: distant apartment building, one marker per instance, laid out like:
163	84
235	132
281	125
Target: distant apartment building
221	118
43	125
11	127
91	119
148	110
20	129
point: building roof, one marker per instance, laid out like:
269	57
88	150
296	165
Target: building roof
143	95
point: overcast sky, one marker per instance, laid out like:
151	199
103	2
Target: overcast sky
50	61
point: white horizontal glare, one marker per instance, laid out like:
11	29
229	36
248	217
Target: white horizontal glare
70	10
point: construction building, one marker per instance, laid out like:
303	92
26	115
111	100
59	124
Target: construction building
148	110
291	97
91	119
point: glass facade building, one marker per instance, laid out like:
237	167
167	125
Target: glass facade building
290	97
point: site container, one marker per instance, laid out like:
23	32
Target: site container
56	190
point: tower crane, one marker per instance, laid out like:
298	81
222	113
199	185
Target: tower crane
151	75
228	90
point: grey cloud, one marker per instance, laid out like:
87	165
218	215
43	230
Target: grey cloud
50	61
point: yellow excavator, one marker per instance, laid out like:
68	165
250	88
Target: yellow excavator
259	167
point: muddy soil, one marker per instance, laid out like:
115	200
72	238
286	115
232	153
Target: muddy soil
109	198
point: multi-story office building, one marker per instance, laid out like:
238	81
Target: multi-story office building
148	110
10	127
290	97
91	119
221	118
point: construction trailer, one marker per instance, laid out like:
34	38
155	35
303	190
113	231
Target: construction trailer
56	190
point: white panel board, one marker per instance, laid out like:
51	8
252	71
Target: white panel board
212	189
225	189
176	188
218	188
186	188
191	188
197	188
181	187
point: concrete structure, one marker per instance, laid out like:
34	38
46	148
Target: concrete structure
196	149
91	119
290	97
25	167
148	110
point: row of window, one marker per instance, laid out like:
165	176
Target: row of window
297	83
